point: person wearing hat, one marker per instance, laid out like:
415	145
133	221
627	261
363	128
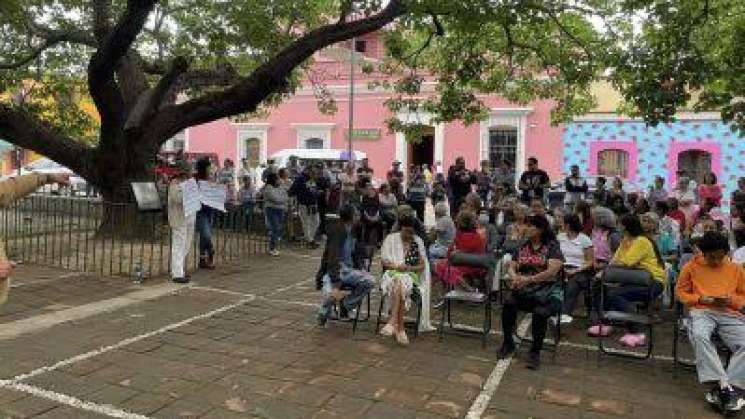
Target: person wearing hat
182	225
12	190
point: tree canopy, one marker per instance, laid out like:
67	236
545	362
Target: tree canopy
153	68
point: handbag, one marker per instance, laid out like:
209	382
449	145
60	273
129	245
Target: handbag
542	292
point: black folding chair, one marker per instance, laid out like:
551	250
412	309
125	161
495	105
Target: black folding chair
615	277
363	260
486	261
551	346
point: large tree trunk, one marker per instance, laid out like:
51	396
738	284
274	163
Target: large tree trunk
115	170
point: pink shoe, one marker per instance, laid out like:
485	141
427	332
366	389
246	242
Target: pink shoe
628	340
600	330
639	339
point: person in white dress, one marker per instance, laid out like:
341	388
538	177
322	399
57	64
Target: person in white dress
405	267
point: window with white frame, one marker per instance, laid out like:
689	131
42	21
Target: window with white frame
314	136
502	145
313	143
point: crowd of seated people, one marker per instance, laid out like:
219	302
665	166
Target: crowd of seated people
680	238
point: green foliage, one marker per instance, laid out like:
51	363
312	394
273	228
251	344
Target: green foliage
687	54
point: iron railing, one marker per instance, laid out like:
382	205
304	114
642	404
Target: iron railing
90	235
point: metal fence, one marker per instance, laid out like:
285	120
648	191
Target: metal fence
116	239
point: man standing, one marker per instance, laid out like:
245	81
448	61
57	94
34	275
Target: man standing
395	178
182	225
460	181
576	187
533	181
416	195
305	190
504	175
337	278
365	171
483	182
12	190
657	192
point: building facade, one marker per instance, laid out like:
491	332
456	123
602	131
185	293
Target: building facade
696	144
511	131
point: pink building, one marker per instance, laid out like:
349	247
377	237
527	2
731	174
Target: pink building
511	131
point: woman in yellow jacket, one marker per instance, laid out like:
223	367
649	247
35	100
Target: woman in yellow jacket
640	252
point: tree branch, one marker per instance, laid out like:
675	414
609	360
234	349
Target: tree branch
24	130
101	19
271	77
101	83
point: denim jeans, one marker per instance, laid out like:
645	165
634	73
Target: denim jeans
621	298
247	208
274	220
204	227
359	283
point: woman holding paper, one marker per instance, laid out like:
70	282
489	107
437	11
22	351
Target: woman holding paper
204	219
182	225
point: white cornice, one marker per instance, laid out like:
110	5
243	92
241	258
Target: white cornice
614	117
311	125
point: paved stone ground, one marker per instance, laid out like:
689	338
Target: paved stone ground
242	342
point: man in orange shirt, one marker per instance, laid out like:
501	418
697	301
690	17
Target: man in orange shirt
713	288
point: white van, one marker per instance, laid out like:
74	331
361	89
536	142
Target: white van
282	157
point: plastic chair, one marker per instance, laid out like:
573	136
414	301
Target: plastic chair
486	261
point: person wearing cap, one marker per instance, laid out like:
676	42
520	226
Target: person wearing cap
182	225
12	190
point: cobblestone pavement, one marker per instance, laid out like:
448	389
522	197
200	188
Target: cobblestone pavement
242	342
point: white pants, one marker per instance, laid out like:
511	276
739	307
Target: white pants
731	330
310	222
180	245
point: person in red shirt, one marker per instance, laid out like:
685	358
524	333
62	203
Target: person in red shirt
468	240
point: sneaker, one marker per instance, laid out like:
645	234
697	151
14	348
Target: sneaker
600	330
181	280
274	253
566	319
506	351
534	360
712	397
387	330
732	403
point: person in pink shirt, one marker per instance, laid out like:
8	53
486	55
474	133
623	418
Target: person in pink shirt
710	190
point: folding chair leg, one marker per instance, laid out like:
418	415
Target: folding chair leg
418	319
442	320
380	313
485	325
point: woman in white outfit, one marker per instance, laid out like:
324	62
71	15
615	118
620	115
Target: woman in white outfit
405	265
182	225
